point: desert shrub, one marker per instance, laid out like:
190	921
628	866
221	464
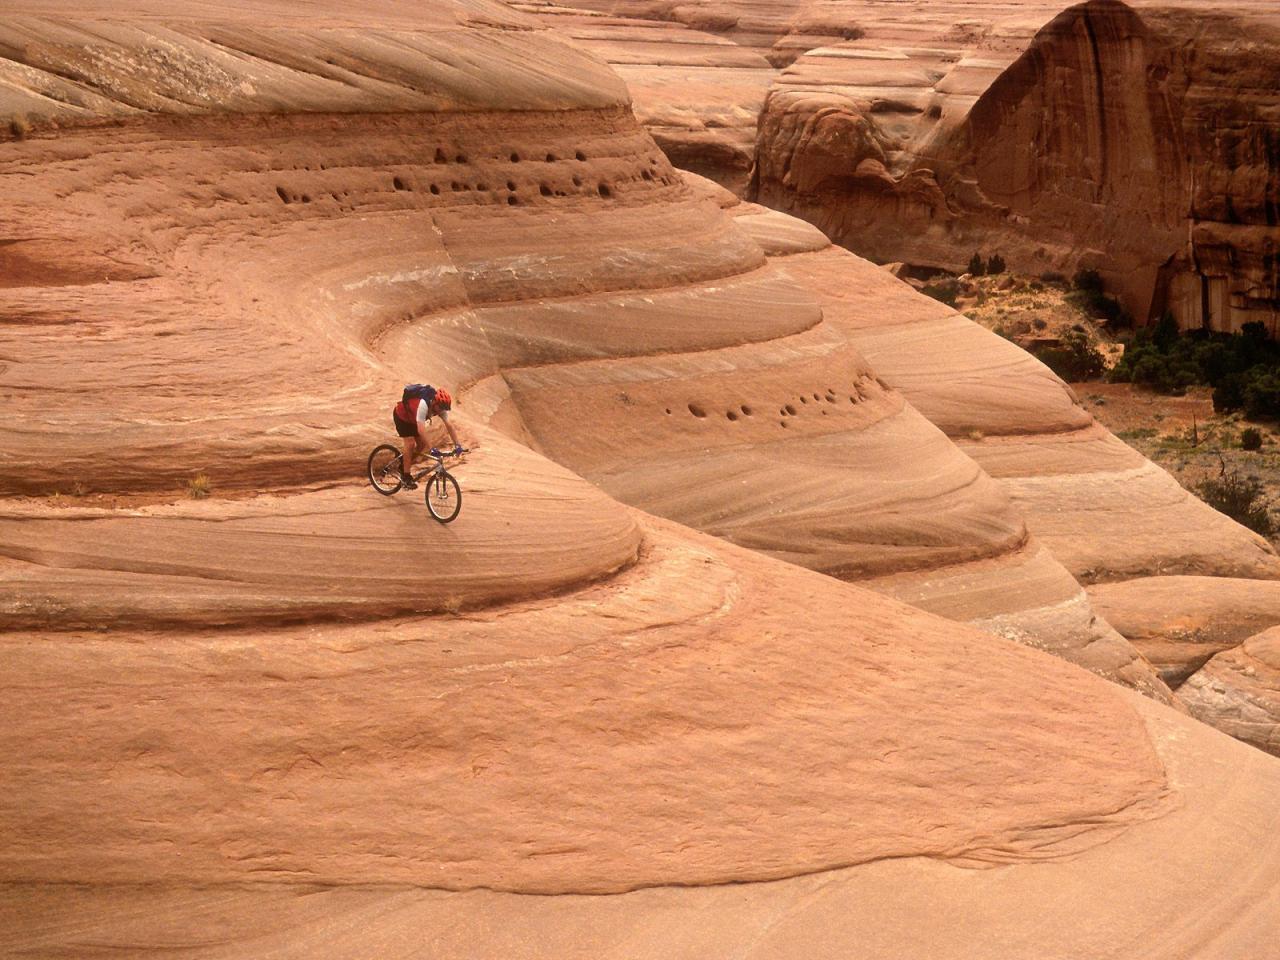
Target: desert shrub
996	265
1088	281
1240	498
1074	359
975	265
199	487
19	127
1262	393
1089	297
1165	333
1140	433
944	291
1251	439
1146	365
1242	368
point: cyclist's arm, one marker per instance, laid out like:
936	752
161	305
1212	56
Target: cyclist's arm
421	425
444	415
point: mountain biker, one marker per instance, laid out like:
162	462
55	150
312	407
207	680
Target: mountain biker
418	404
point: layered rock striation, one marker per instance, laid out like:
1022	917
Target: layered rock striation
1238	691
295	717
547	262
1074	480
1178	579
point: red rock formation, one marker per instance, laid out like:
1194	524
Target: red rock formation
610	288
1142	143
1180	622
697	93
1128	142
1239	691
556	695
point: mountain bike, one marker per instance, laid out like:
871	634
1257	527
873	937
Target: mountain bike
440	489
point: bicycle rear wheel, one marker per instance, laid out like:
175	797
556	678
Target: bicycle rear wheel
384	469
443	496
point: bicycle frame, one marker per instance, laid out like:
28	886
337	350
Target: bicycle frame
432	468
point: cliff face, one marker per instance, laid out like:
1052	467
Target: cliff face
1149	144
1142	145
1231	128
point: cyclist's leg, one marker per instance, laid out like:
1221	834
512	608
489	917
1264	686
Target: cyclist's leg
410	448
408	440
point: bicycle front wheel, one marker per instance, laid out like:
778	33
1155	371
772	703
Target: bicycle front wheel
384	469
443	495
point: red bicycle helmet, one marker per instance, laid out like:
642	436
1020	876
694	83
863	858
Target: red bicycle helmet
442	401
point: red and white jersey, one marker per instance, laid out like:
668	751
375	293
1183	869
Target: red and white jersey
417	410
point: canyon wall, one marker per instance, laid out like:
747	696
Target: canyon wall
1140	139
1141	144
294	717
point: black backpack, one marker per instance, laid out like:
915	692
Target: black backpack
417	391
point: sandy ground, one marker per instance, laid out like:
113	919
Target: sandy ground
1186	436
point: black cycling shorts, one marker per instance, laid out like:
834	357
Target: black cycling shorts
404	429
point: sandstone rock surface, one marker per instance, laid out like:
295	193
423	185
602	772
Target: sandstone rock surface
297	719
1213	848
1102	509
1112	517
545	262
1180	622
1238	691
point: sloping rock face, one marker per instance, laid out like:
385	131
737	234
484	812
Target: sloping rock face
636	316
1077	484
1110	141
697	93
1239	691
296	718
610	288
1181	622
1178	579
647	776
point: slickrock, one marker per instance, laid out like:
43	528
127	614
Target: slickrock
1102	509
547	263
296	718
318	553
1099	507
728	402
1239	691
698	94
1206	877
1180	622
688	721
